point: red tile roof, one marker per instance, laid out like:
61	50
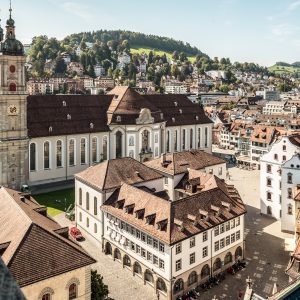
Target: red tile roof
34	249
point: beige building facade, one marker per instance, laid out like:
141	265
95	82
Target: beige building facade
59	287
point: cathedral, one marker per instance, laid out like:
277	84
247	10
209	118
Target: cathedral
49	138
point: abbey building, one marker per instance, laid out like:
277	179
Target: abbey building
49	138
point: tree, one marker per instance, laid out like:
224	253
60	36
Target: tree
175	55
60	67
99	289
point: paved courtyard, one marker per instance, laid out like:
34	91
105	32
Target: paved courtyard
265	253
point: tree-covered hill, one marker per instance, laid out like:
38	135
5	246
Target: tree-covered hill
136	40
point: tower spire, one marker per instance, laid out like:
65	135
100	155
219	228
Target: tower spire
10	9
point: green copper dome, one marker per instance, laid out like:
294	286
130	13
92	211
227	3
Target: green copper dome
10	22
12	47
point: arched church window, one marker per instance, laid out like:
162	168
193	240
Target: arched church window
46	155
94	149
145	140
32	157
71	152
59	154
119	148
191	138
175	140
199	138
104	148
83	151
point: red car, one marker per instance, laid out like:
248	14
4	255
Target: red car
76	234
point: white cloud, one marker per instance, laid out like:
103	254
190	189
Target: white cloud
294	5
284	30
78	10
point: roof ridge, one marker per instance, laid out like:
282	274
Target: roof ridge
17	205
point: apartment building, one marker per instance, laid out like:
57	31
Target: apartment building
171	228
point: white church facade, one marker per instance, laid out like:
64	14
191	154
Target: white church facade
49	138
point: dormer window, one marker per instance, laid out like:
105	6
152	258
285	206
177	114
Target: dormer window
64	103
69	117
91	125
50	129
118	118
175	103
197	118
180	111
162	116
173	119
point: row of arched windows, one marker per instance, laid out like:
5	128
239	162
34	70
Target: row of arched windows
185	144
205	271
71	153
47	293
87	201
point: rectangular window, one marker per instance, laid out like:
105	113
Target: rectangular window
155	244
122	225
192	258
205	251
178	265
161	247
143	237
205	236
232	223
138	249
138	234
127	227
238	221
166	180
161	264
220	170
132	231
95	206
192	242
227	226
217	246
149	240
222	228
233	238
155	260
178	248
217	231
143	252
132	246
227	240
149	256
238	235
222	243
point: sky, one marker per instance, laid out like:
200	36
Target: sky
260	31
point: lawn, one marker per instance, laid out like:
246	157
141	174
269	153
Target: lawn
284	70
158	52
57	202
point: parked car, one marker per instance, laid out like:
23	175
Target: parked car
76	234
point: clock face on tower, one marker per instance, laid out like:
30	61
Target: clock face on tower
12	110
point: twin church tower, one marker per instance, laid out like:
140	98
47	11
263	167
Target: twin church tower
13	110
